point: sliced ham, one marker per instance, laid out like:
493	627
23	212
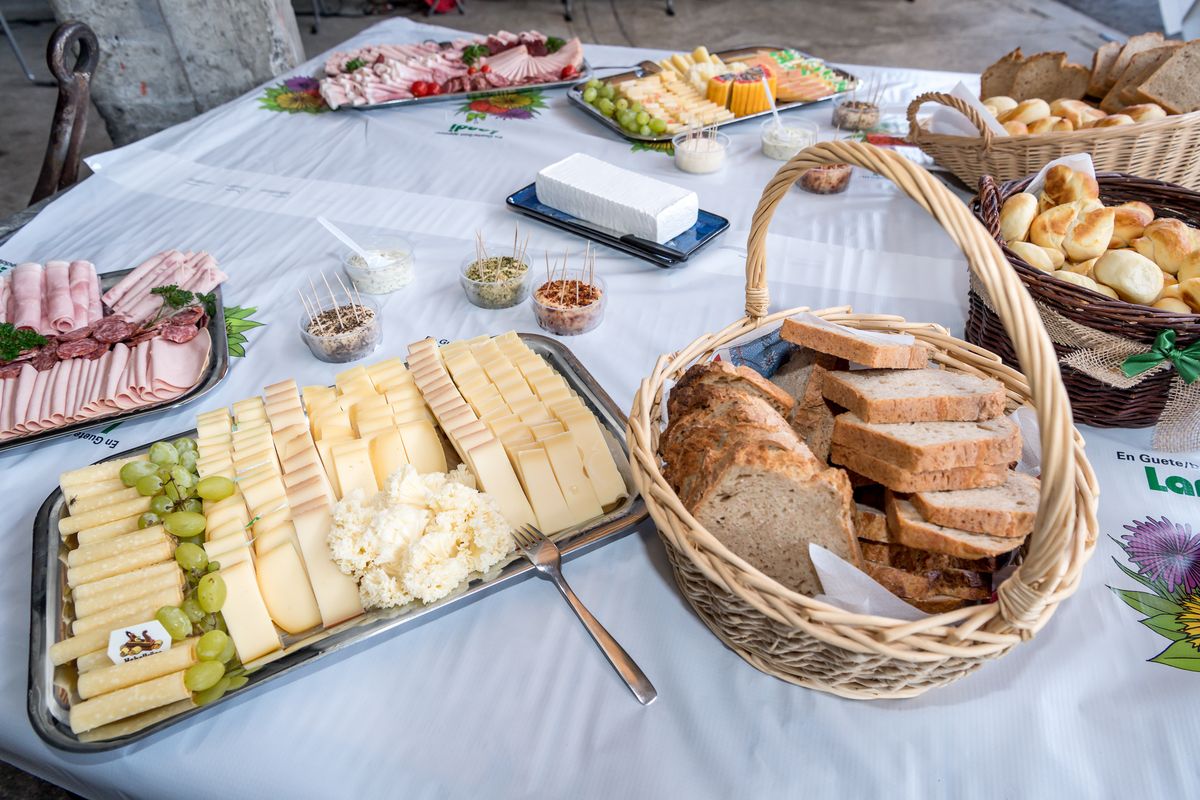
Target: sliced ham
60	309
27	296
5	297
82	276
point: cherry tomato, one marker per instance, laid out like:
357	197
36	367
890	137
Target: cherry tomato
435	88
485	68
472	70
569	71
420	88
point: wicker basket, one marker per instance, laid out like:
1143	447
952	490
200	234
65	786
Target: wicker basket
1164	149
820	646
1093	402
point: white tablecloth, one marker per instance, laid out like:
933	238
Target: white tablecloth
509	697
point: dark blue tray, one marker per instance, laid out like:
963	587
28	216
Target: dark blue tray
669	254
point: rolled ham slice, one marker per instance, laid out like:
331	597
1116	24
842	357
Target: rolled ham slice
84	286
27	296
60	309
5	297
142	275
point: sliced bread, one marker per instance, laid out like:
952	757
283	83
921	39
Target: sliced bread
1141	67
998	78
1008	510
869	348
924	395
694	387
939	604
870	524
902	480
922	446
800	375
909	528
767	506
1174	85
1050	77
1102	61
1135	44
814	425
959	583
897	555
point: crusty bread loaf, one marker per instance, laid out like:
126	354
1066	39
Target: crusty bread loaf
1102	61
1008	510
694	386
902	480
926	395
800	375
922	446
998	78
909	528
960	583
767	506
1135	44
1050	77
1174	85
814	426
1139	69
902	557
869	348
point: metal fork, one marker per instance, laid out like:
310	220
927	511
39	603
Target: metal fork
544	556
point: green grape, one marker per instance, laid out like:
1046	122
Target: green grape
149	485
213	566
228	652
622	103
183	478
643	118
209	623
184	523
644	130
594	83
148	520
658	125
235	670
193	610
134	471
191	556
203	675
193	505
188	459
196	540
637	108
184	444
631	125
164	454
212	645
175	621
215	487
590	95
238	682
606	106
172	491
164	474
211	592
211	694
161	504
608	91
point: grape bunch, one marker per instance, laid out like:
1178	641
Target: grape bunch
633	117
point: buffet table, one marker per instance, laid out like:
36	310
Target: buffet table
508	697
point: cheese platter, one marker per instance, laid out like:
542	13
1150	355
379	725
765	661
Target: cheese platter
85	701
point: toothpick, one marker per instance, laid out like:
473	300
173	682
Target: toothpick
349	296
333	300
307	310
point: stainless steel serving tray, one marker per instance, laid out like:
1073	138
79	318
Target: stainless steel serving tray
575	93
50	688
218	367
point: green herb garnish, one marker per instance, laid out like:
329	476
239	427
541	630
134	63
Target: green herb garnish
474	52
14	341
554	44
354	64
173	296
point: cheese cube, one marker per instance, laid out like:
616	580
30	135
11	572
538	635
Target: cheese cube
246	615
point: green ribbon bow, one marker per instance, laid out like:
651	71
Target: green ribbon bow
1186	360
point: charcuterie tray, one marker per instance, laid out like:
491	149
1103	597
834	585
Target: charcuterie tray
213	374
51	688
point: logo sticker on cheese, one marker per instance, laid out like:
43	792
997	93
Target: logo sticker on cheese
138	641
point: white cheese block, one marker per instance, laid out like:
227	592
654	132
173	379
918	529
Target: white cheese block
246	615
617	199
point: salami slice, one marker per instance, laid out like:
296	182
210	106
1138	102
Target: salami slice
189	316
97	353
111	330
78	348
45	358
77	334
180	333
10	371
144	336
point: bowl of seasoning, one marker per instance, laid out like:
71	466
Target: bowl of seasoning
389	266
783	140
855	115
340	329
827	179
571	302
494	278
700	152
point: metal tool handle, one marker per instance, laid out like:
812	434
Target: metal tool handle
630	672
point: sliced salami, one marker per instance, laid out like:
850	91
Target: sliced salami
79	348
189	316
10	371
111	330
77	334
144	336
45	358
180	333
97	353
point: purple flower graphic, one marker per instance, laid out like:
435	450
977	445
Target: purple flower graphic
302	84
1165	550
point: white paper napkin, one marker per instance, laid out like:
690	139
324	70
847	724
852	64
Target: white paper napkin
949	121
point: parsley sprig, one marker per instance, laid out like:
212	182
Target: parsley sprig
176	299
474	52
554	44
14	341
353	64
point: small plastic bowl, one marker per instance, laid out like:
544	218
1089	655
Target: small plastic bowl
567	319
855	115
343	347
783	145
495	294
700	155
392	274
829	179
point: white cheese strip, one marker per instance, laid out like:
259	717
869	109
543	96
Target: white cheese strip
95	603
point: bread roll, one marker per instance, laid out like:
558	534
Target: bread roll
1169	280
1190	267
1168	243
1001	103
1057	259
1189	292
1015	128
1129	221
1144	112
1016	215
1136	278
1050	125
1034	256
1082	268
1107	291
1170	291
1076	112
1113	121
1089	235
1050	227
1086	206
1174	305
1077	279
1027	111
1065	185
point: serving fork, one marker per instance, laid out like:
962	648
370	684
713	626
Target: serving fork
543	554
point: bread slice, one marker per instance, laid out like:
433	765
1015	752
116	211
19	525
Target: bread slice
1050	77
939	604
897	555
1135	44
998	78
1174	85
902	480
922	446
870	524
910	529
695	385
925	395
800	375
1140	68
1008	510
1102	61
869	348
959	583
767	506
814	426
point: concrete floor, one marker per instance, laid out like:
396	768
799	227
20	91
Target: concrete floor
932	34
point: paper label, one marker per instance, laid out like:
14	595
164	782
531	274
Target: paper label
138	641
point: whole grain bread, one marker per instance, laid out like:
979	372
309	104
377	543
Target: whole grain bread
923	395
1174	85
902	480
695	386
909	528
897	555
870	524
1008	510
1134	45
1050	77
939	604
869	348
998	78
800	376
922	446
814	425
767	506
1105	56
960	583
1140	68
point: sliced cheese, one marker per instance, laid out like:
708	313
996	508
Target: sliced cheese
572	481
496	477
246	614
596	456
540	485
352	463
336	593
285	590
387	455
422	447
273	537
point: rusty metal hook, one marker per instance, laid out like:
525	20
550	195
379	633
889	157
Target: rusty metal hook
60	168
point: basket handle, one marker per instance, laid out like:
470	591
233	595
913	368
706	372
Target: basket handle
914	130
1023	597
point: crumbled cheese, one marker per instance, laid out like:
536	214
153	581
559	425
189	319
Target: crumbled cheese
419	538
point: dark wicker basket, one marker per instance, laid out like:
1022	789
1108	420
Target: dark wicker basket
1092	402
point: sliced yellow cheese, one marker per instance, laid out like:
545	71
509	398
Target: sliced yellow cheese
596	456
496	477
265	495
246	614
539	483
285	590
387	455
269	520
312	489
572	481
422	447
336	593
324	449
269	539
352	463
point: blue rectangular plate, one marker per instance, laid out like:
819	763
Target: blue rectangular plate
708	227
